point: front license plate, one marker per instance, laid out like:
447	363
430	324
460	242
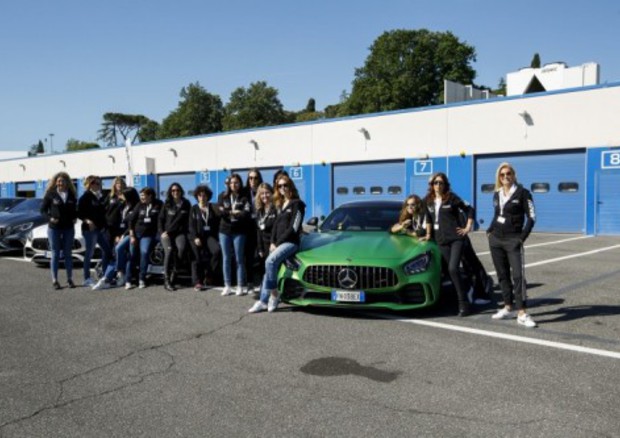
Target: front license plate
48	255
155	269
348	296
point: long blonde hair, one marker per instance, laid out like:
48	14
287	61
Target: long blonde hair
278	199
113	191
498	181
51	184
259	205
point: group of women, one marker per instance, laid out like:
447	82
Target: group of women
255	227
260	222
446	218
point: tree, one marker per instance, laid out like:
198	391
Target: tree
311	106
535	61
36	149
118	127
501	88
406	68
77	145
199	112
253	107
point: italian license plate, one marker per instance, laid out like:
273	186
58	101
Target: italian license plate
155	269
48	255
346	296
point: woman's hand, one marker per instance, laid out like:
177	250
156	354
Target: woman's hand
197	241
463	231
164	234
272	247
54	220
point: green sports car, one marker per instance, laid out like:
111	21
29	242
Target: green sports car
353	260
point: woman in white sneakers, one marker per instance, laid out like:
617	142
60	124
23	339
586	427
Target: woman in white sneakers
512	223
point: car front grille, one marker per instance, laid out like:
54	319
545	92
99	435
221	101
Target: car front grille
350	277
42	244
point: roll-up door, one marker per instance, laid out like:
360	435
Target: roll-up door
368	181
186	180
608	202
557	183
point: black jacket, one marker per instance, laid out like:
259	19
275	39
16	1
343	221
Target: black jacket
174	219
92	208
198	228
143	225
114	215
518	208
53	207
265	221
288	224
239	224
450	218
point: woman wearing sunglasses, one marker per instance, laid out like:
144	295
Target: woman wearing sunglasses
513	220
412	220
173	227
285	239
444	211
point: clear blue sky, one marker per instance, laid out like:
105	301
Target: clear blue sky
64	63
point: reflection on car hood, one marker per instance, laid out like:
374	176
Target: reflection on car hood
356	246
10	219
41	230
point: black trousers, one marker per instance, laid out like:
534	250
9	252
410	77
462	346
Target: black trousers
452	253
507	254
251	273
174	251
205	260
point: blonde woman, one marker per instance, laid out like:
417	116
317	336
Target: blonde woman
265	218
114	205
513	220
412	220
59	206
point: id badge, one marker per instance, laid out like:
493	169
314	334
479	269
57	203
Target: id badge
501	219
123	225
147	220
206	228
262	227
436	226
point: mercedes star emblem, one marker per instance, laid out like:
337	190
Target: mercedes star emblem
347	278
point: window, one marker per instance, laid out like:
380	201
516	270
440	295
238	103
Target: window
540	187
342	191
487	188
359	190
568	187
394	190
376	190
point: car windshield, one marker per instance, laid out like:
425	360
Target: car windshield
29	205
361	218
8	203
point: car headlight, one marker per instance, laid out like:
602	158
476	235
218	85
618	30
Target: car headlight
418	264
293	263
22	227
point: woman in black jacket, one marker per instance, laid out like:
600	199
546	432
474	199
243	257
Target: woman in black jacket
143	230
443	215
59	206
254	179
91	210
114	206
285	239
513	220
265	219
173	227
203	238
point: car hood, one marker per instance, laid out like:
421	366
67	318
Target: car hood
41	230
358	246
10	219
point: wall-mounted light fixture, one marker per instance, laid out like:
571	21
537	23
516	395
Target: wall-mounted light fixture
256	147
463	154
63	162
364	132
174	152
23	166
527	117
111	157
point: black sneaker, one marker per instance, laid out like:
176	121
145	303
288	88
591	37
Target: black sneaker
169	286
56	285
70	284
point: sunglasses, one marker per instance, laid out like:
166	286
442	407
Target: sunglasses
505	174
252	177
283	186
174	190
438	183
411	205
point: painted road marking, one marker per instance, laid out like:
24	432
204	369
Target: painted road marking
515	338
544	243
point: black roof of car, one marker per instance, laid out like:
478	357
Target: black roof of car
378	203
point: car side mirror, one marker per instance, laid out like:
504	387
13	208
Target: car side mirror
313	221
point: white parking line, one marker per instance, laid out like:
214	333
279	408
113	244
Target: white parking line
544	243
572	256
17	259
523	339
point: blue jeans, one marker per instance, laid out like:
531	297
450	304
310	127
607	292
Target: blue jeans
92	238
236	243
61	241
272	266
144	245
123	260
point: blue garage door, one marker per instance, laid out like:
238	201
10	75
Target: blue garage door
608	202
557	183
187	181
369	181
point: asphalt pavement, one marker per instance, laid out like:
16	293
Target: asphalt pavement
149	363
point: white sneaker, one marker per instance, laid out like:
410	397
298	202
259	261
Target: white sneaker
102	284
258	306
141	284
227	291
120	278
128	286
89	282
526	321
240	291
504	314
273	303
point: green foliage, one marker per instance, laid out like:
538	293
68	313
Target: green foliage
501	88
311	106
406	68
77	145
199	112
36	149
535	61
117	127
253	107
149	131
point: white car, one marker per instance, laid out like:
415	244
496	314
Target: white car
37	248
